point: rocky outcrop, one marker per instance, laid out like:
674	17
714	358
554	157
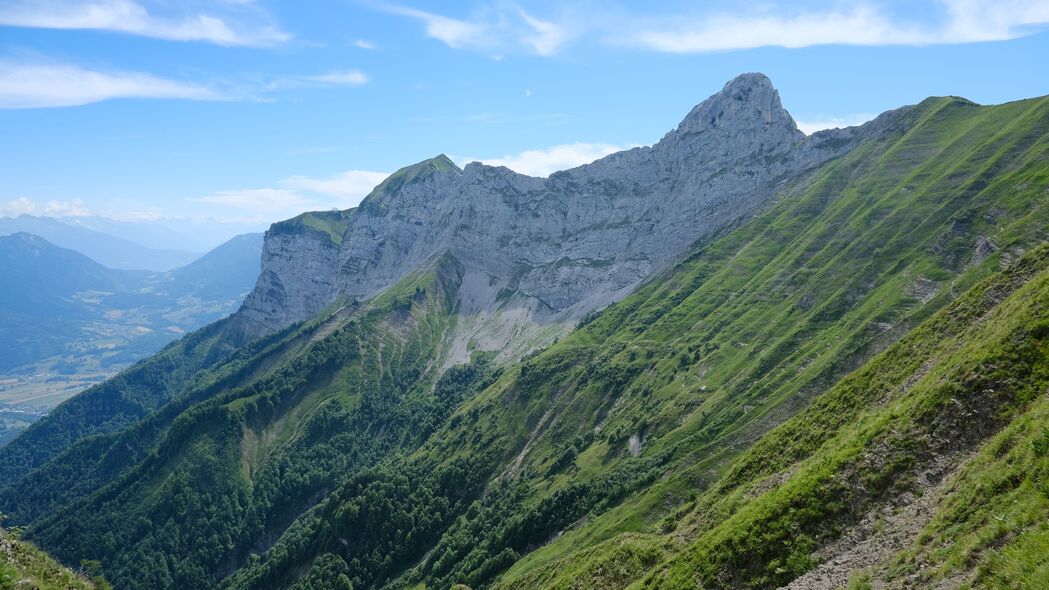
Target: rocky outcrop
552	249
298	262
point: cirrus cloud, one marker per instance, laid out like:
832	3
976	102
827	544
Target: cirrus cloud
502	27
544	162
60	85
810	126
340	78
296	194
37	83
961	21
130	17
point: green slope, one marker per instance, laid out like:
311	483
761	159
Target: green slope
698	365
24	566
974	376
334	454
940	392
230	473
775	312
120	402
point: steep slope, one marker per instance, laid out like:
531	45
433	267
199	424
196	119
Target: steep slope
618	424
232	472
25	566
337	452
108	250
926	465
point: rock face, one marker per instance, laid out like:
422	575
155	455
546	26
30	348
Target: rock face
548	250
298	270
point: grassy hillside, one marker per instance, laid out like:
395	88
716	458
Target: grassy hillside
694	368
956	411
645	443
897	426
230	473
24	566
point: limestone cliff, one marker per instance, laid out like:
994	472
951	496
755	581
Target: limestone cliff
542	252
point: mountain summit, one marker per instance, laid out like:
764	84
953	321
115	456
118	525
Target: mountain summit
543	252
748	102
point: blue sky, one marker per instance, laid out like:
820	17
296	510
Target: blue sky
245	112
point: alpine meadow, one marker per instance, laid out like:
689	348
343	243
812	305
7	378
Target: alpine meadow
747	355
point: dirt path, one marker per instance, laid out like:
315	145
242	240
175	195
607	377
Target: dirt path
886	530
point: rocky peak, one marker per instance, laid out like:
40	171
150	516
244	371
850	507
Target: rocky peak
747	102
538	251
438	163
419	171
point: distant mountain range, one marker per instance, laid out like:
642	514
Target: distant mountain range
194	235
65	317
106	249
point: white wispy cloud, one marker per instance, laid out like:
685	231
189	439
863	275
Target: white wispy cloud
296	194
349	77
810	126
365	44
499	28
263	200
340	78
964	21
38	83
545	37
544	162
452	32
247	27
62	85
54	208
347	189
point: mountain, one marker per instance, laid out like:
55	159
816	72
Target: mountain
44	278
194	235
740	358
541	253
67	321
222	273
48	289
108	250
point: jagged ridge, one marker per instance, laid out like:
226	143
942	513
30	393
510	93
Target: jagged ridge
547	251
